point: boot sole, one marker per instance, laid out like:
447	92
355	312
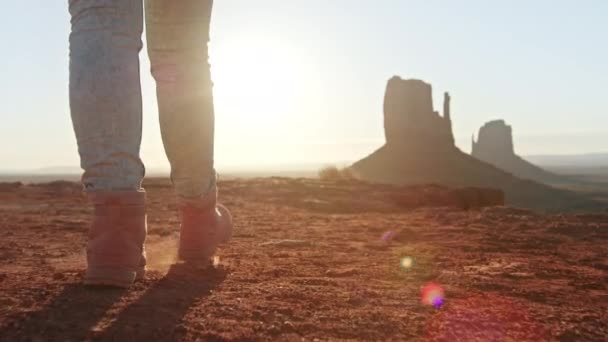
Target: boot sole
113	277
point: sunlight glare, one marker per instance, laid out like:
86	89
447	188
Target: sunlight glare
255	81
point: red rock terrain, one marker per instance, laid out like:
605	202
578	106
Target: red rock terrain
308	262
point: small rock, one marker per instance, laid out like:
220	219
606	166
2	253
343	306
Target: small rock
274	330
288	326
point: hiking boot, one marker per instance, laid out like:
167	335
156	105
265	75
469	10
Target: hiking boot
204	226
115	251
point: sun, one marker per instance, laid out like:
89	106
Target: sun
256	81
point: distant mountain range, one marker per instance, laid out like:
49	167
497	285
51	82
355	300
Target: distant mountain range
571	160
591	160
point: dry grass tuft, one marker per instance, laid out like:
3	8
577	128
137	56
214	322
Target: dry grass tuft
333	173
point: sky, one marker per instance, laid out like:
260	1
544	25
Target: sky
302	81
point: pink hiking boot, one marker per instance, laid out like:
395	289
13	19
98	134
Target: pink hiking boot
115	251
204	226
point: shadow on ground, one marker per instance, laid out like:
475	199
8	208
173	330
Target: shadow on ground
151	309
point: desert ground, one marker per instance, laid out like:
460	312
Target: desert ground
310	261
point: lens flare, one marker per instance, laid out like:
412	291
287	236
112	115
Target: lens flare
433	294
387	236
407	263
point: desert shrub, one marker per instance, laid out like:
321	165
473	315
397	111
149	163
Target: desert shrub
9	187
329	173
333	173
347	173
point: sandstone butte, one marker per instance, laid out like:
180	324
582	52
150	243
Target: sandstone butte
420	149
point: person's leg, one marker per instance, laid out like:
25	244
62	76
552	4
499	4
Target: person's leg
105	92
177	35
105	103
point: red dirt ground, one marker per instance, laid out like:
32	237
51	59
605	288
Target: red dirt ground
307	262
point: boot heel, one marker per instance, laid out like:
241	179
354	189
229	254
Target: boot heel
109	277
115	251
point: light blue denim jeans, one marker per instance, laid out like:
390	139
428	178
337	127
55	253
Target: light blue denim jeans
105	91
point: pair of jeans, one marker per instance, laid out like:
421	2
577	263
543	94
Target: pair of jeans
105	91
